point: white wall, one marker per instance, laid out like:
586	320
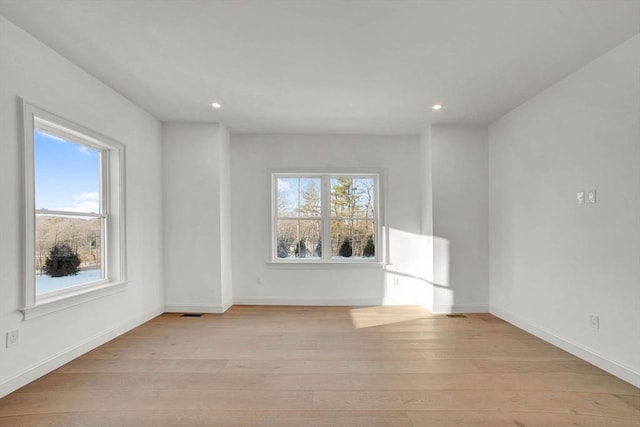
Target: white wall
554	262
455	217
251	158
44	78
195	162
226	267
459	162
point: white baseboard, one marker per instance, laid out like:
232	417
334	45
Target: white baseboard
460	308
614	368
358	302
198	308
54	361
267	300
227	305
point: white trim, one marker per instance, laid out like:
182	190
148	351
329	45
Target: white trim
321	265
460	308
269	300
618	369
68	130
69	213
227	305
198	308
69	299
325	174
43	367
406	300
325	227
28	284
442	309
112	213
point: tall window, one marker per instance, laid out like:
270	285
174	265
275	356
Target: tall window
325	217
74	206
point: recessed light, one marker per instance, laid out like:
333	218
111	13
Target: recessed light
437	107
216	105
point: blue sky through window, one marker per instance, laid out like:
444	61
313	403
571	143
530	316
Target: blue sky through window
67	175
290	194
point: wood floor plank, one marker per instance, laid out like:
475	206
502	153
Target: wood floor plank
573	365
600	404
214	419
124	364
153	400
347	367
244	351
513	419
223	381
325	366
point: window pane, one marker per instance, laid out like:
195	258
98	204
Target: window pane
341	238
349	238
352	197
364	190
342	199
310	205
298	197
286	237
309	241
298	239
364	238
68	252
287	195
67	175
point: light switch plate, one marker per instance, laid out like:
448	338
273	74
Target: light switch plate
580	197
591	196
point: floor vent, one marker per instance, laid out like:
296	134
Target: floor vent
192	315
457	316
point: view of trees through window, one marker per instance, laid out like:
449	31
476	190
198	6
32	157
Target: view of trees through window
302	213
82	236
69	224
299	217
352	216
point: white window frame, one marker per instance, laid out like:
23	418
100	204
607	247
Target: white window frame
112	213
325	197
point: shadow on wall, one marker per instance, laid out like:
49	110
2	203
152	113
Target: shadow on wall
418	270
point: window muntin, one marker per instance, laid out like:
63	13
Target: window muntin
338	212
74	199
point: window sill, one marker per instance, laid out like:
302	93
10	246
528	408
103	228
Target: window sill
325	265
70	299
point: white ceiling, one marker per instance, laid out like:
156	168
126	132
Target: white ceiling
326	66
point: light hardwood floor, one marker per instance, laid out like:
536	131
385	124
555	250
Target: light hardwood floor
325	366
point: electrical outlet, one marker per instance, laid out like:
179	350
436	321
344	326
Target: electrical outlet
396	281
580	197
591	196
594	321
12	338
